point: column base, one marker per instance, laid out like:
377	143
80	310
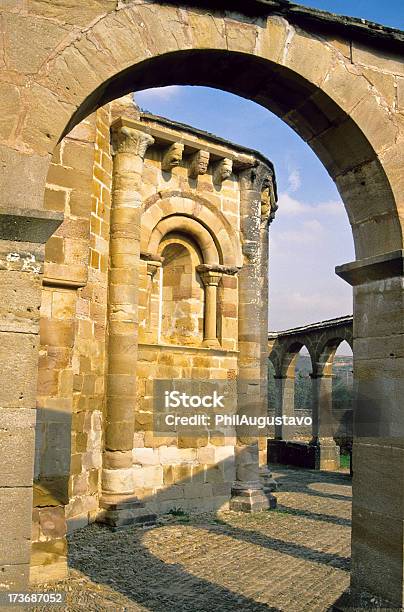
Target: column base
118	512
211	343
326	454
251	497
352	601
268	482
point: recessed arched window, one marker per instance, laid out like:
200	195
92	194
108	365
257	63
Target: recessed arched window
182	292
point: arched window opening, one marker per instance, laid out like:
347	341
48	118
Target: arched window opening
182	295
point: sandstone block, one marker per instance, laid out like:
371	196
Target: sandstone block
118	481
145	456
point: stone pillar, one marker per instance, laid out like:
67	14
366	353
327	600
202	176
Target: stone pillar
211	280
268	207
378	448
247	492
152	268
120	505
323	428
285	406
23	233
54	453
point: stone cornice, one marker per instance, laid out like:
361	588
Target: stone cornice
28	225
379	267
151	257
167	133
312	327
349	28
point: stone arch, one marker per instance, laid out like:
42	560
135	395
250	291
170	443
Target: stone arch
188	226
217	238
278	66
326	348
289	355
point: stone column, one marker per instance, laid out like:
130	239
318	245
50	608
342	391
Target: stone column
118	499
268	207
152	267
323	428
23	233
247	492
211	279
285	406
378	448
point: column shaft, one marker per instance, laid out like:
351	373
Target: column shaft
211	278
210	313
129	147
247	492
285	406
378	449
323	428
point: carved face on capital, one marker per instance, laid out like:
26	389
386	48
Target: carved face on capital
199	164
223	170
172	156
268	203
202	162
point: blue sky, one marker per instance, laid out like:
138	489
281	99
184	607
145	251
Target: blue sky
311	234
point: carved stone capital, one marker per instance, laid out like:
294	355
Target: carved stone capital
268	200
172	156
146	256
152	267
128	140
252	179
210	278
199	164
218	268
222	170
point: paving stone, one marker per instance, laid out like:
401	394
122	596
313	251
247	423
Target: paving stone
295	558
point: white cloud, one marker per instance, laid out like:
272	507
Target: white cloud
157	94
294	180
294	308
309	232
331	208
292	206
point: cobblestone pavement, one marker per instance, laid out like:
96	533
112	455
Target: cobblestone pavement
295	558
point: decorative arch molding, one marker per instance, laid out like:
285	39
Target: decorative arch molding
186	242
188	226
179	204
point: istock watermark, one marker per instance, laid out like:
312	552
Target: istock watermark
176	399
190	407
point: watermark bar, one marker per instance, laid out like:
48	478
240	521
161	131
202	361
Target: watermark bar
34	598
203	408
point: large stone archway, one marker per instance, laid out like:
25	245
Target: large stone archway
338	83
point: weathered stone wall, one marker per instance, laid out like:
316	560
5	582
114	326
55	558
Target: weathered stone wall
71	382
177	471
182	471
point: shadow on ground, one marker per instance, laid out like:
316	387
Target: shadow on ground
271	561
